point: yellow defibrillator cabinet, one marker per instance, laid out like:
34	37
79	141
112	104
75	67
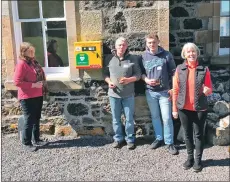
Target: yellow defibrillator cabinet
88	55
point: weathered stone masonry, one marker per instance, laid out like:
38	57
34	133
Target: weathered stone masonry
87	111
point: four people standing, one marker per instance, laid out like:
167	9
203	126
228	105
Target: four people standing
191	85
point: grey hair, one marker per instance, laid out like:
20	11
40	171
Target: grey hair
190	45
121	39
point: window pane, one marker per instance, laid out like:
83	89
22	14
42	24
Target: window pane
56	24
224	10
57	44
32	33
224	26
53	9
225	42
28	9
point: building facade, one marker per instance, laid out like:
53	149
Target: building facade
77	102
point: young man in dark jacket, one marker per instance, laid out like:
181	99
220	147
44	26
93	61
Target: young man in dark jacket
158	67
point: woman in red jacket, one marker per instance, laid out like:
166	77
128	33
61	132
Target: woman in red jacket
30	79
191	84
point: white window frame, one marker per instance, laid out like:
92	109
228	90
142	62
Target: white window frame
223	51
18	35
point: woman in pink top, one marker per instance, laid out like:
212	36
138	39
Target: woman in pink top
30	79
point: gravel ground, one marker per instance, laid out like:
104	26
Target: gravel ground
94	159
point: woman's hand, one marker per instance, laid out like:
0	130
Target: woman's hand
175	115
206	91
37	84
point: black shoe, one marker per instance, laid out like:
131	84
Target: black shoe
30	148
131	146
156	144
117	144
172	149
188	164
197	166
40	143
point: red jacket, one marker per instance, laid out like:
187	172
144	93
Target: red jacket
24	76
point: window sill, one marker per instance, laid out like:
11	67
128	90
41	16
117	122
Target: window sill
56	82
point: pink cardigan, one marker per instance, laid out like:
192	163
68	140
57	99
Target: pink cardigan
24	76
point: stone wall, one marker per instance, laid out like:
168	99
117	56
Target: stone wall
87	111
132	19
195	21
108	20
217	132
81	112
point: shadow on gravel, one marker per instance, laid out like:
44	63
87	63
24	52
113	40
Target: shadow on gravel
149	140
92	142
182	146
80	142
144	140
221	162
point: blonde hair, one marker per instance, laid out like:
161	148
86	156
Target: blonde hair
152	36
24	47
187	46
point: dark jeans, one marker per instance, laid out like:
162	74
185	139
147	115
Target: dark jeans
193	123
32	113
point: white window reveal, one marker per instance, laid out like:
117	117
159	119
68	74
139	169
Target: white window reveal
43	24
224	28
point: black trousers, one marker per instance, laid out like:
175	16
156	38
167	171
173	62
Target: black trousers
32	113
193	124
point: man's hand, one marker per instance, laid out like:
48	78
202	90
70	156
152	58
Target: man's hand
175	115
37	84
124	81
151	82
170	94
111	85
154	82
147	81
